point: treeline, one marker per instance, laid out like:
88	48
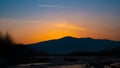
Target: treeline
110	52
12	53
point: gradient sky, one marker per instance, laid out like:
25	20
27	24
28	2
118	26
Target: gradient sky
31	21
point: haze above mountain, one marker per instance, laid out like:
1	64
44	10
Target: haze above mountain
70	44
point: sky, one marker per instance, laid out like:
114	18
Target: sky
31	21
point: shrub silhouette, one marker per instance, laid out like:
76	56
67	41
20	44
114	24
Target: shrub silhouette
6	43
15	53
5	38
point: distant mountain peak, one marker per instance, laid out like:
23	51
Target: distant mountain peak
68	37
74	38
70	44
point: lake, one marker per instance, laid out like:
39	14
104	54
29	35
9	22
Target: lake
75	62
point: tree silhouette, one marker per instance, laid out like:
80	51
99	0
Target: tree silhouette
6	43
15	53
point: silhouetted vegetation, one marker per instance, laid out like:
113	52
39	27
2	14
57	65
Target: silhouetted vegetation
13	53
6	44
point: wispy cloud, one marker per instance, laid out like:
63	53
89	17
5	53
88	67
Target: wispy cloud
51	6
69	26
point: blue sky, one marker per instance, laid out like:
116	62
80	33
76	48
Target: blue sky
94	18
24	8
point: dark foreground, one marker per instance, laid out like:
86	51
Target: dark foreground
71	62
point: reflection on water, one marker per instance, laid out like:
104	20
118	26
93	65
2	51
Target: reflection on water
70	62
69	66
113	65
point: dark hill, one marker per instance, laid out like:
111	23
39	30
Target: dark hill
70	44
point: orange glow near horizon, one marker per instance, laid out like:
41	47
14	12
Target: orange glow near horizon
36	30
52	31
43	32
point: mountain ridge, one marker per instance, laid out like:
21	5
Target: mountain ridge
70	44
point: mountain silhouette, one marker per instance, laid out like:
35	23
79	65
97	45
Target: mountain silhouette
70	44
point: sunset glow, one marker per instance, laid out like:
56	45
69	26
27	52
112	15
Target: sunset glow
31	21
